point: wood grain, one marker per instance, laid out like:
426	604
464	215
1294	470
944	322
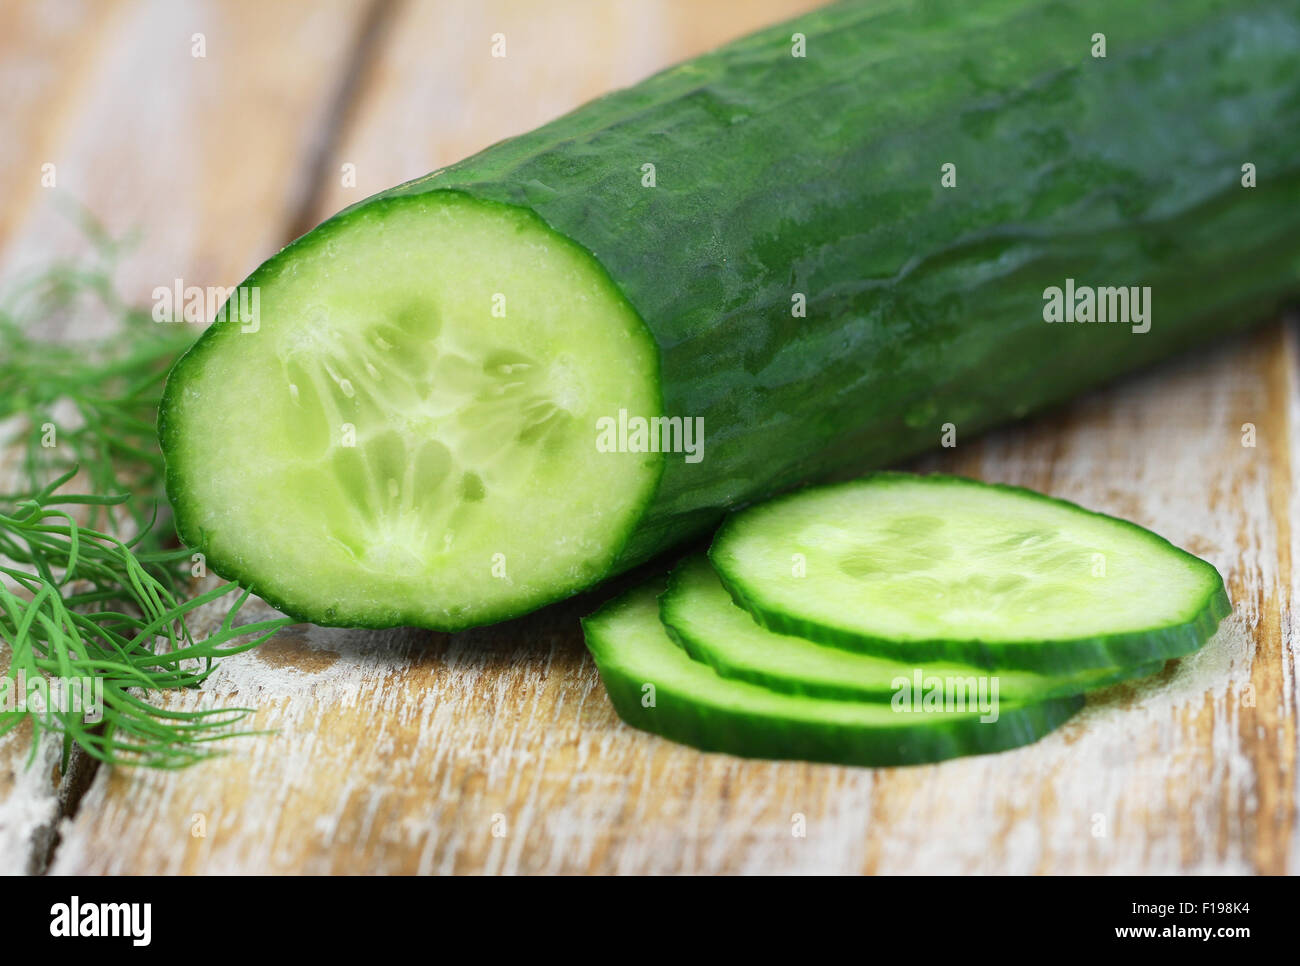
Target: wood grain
46	52
203	156
437	94
405	752
496	751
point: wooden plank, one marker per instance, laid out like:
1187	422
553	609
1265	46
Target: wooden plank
438	95
402	752
203	155
496	750
29	801
46	51
1195	771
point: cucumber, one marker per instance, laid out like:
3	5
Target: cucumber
654	685
701	617
941	568
378	453
752	242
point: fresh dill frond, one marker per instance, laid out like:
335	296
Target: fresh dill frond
93	585
86	402
95	608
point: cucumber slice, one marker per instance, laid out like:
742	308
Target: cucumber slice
939	568
656	686
409	434
702	618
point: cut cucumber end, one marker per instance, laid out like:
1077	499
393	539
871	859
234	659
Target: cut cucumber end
656	686
407	432
927	568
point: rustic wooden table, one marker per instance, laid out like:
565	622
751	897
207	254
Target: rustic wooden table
496	750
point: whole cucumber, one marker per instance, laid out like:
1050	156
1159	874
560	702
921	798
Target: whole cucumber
831	241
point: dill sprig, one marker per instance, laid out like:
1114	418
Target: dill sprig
93	585
95	608
87	402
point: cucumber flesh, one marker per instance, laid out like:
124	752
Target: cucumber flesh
703	619
719	196
408	435
939	568
656	686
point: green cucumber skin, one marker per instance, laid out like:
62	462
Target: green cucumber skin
1133	649
731	730
846	689
1066	686
820	175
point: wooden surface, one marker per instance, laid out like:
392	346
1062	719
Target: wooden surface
496	750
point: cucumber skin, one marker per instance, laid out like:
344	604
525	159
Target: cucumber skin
699	651
829	185
1051	657
731	730
1055	657
924	303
